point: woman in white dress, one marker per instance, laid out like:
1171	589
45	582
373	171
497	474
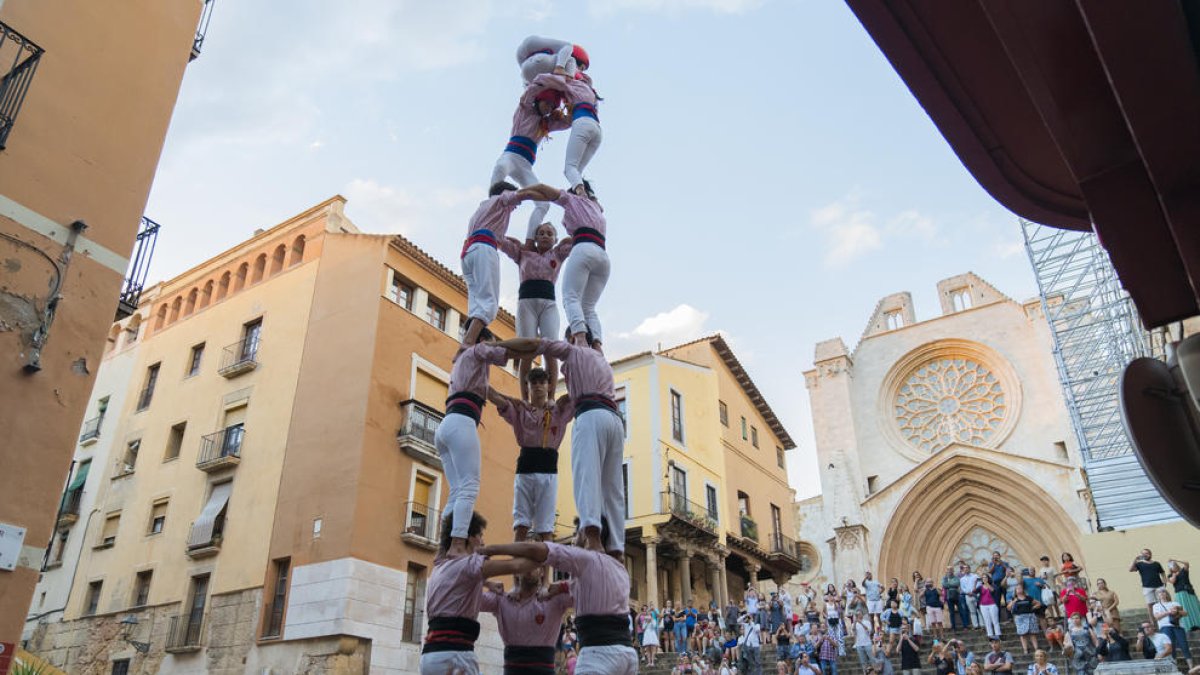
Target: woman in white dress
650	635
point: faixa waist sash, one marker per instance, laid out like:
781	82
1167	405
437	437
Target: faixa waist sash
595	402
599	630
538	460
465	403
451	634
584	110
536	288
523	146
587	235
520	660
479	237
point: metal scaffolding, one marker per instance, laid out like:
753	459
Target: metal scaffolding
1096	332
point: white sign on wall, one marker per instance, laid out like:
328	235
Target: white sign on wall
12	538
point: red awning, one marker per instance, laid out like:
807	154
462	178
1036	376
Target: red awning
1081	114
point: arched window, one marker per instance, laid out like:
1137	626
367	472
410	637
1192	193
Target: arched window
260	266
206	295
223	287
132	328
297	251
277	259
175	307
190	307
240	282
160	318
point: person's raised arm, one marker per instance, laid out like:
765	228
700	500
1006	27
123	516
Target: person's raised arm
534	550
521	345
1133	567
499	400
551	81
500	568
511	248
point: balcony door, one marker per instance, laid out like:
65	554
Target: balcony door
776	523
679	488
195	616
253	331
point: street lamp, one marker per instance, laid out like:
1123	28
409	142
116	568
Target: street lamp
128	625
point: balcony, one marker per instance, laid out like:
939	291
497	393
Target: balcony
689	520
139	266
416	433
222	449
201	29
186	634
785	552
421	526
749	529
211	547
240	357
91	431
24	56
69	513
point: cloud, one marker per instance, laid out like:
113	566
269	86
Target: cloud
377	207
682	323
674	6
1007	248
851	230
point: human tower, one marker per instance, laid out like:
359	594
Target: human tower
558	95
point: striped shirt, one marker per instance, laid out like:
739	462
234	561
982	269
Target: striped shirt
535	264
455	587
585	368
470	371
601	582
493	214
530	622
576	91
527	121
538	427
581	212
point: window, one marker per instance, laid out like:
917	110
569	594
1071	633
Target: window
194	361
23	57
676	416
62	546
277	259
209	527
195	616
872	484
108	536
260	268
961	298
743	428
724	412
414	603
239	282
148	388
743	503
1060	449
278	600
710	499
175	441
779	457
158	517
129	461
73	497
422	520
251	333
679	483
120	667
131	332
894	320
297	251
141	588
776	520
754	436
399	290
92	602
436	315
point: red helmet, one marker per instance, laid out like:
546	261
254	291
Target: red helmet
581	56
551	96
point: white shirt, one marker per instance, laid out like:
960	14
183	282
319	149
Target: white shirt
862	634
1160	643
917	629
751	634
969	582
1161	607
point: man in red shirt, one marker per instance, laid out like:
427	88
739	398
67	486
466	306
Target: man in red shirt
1074	599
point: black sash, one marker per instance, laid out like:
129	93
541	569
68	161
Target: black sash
465	403
594	402
588	235
451	634
600	630
538	460
520	660
536	288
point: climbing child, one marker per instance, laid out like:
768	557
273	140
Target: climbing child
537	313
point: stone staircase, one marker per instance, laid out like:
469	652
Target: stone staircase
975	639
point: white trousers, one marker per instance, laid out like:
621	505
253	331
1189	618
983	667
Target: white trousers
481	271
449	663
606	660
597	450
534	61
534	498
973	610
991	619
512	165
537	317
457	443
584	276
581	146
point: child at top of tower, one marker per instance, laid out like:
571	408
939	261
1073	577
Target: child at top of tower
537	55
537	313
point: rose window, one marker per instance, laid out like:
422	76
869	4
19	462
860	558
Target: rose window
950	400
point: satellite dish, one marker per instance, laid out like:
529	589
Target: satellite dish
1154	409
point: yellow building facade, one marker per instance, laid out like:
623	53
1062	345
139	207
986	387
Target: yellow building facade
707	499
271	493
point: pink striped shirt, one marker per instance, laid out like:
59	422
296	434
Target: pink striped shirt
576	91
527	121
530	622
581	212
535	264
470	371
601	582
539	428
455	586
493	214
585	368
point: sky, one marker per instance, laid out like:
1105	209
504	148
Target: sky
764	171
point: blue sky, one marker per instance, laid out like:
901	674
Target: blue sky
764	171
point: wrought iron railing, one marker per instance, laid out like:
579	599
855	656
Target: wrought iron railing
221	445
139	267
14	83
273	620
240	355
91	429
681	507
421	520
71	503
783	545
202	28
420	421
186	632
749	528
